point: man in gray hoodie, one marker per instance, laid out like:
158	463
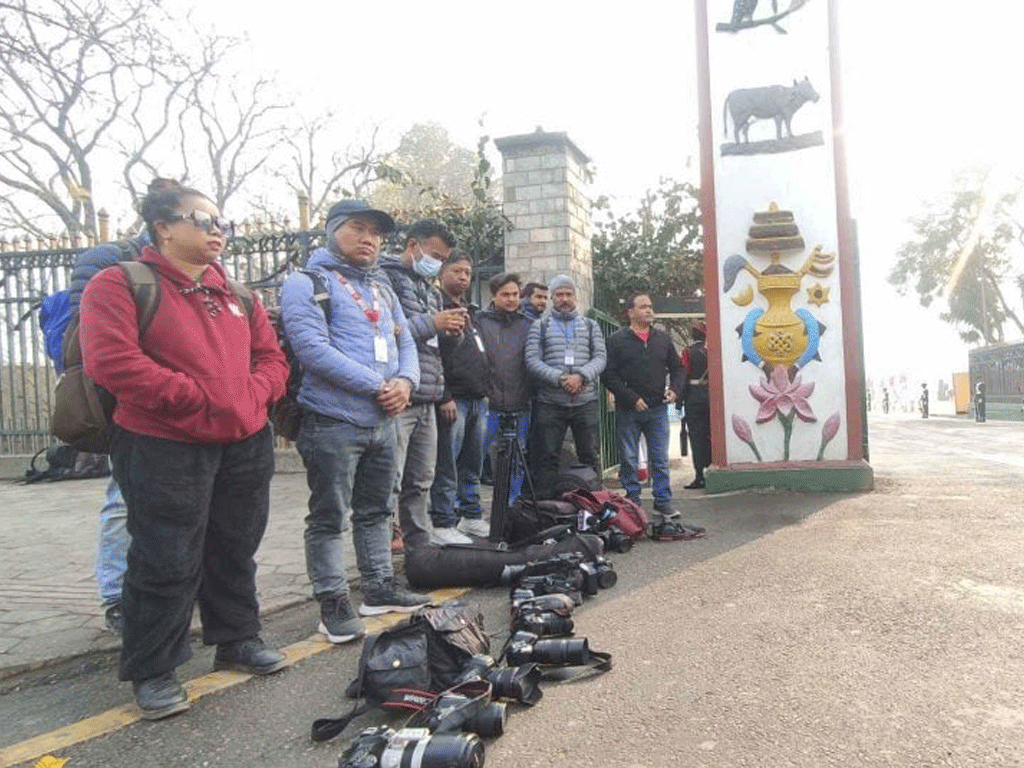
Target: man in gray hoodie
347	329
565	354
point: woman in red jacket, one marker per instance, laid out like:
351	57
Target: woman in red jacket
190	446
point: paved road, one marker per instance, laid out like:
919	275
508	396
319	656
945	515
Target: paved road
806	630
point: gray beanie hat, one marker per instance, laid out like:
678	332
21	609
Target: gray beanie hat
561	281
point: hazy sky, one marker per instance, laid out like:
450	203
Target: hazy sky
926	89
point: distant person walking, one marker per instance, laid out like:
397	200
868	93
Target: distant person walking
924	401
979	401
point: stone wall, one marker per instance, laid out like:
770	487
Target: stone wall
546	182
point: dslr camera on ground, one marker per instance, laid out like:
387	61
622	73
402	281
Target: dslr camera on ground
383	747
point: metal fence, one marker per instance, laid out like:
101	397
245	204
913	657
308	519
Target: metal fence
606	415
27	375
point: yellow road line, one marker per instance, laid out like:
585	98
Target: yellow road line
113	719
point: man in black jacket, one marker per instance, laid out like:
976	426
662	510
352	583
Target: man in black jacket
505	330
640	357
461	414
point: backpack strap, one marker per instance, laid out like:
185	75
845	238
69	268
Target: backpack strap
244	295
145	287
321	293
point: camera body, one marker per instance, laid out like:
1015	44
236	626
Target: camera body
545	615
565	573
383	747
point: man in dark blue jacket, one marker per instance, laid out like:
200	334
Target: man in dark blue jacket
427	245
112	547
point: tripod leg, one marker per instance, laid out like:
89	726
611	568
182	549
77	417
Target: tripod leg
502	479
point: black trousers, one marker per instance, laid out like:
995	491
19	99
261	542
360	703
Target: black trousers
547	430
196	515
698	424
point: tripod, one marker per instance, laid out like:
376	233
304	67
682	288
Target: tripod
509	452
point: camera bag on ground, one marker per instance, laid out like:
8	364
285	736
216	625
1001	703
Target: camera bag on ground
630	517
575	477
286	413
525	519
432	567
81	408
64	462
404	667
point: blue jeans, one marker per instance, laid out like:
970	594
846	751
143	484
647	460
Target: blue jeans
653	425
112	548
460	458
347	467
522	418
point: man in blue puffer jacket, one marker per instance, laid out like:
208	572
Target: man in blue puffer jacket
565	354
359	369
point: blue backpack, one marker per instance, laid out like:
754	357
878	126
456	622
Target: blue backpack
55	311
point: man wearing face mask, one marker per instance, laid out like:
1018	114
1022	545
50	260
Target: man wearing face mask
412	274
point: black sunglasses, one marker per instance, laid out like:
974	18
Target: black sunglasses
204	221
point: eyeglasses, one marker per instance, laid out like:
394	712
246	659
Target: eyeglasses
204	221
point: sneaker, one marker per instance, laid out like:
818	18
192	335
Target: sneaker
114	618
159	697
442	536
474	527
666	510
697	483
251	656
338	621
387	597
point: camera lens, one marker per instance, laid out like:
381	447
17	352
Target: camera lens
606	578
446	750
565	653
520	684
489	721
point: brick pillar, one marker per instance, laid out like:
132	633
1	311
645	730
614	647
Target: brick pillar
545	180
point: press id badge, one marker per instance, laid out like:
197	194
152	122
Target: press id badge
570	356
479	342
432	342
380	349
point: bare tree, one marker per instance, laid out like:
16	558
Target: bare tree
98	84
73	70
311	168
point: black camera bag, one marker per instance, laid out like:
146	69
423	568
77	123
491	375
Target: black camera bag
405	666
525	519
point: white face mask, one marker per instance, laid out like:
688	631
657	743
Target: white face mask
426	265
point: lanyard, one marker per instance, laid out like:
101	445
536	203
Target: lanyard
372	315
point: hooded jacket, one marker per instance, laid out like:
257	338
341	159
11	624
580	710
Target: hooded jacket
420	301
505	335
341	376
199	375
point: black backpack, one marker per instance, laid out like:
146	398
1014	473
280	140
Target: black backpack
286	413
406	665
